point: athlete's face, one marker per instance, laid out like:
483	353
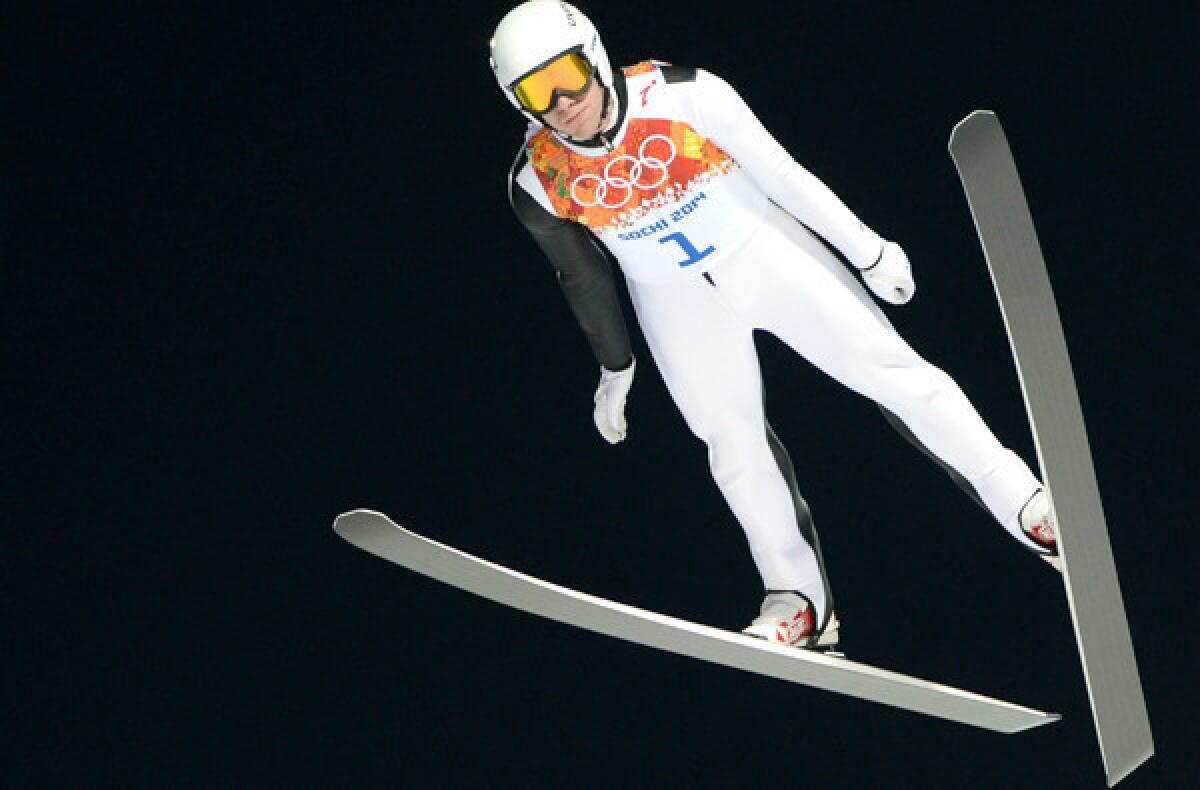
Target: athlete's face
578	116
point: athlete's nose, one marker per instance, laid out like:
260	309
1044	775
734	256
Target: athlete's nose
565	103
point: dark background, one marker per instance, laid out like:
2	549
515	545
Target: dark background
261	270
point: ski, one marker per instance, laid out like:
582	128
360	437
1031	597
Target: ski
377	534
997	201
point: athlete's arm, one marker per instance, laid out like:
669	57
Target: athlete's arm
585	276
730	123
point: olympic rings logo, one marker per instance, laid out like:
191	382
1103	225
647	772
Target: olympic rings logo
624	184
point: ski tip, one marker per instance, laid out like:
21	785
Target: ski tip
345	520
975	116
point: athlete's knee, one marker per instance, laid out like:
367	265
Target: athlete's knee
874	359
924	391
733	454
931	385
905	380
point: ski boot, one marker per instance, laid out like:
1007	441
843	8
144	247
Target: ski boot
1038	523
787	618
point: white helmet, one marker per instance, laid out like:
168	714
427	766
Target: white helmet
535	33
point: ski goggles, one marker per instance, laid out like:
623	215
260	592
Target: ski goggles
569	74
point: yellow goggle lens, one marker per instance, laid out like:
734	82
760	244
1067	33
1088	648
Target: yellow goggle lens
569	73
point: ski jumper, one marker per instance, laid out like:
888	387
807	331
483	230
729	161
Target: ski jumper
719	232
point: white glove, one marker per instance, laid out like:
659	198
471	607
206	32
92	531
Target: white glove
610	402
890	278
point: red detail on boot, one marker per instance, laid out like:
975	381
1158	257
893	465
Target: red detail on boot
807	623
800	627
1043	535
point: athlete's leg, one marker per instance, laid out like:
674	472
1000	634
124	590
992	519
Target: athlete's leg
830	258
797	291
707	358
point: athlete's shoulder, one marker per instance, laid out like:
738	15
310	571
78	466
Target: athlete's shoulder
538	158
538	146
521	159
536	135
543	153
671	74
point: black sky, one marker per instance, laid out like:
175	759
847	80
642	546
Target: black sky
260	269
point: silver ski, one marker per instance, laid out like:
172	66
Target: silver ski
997	201
376	533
